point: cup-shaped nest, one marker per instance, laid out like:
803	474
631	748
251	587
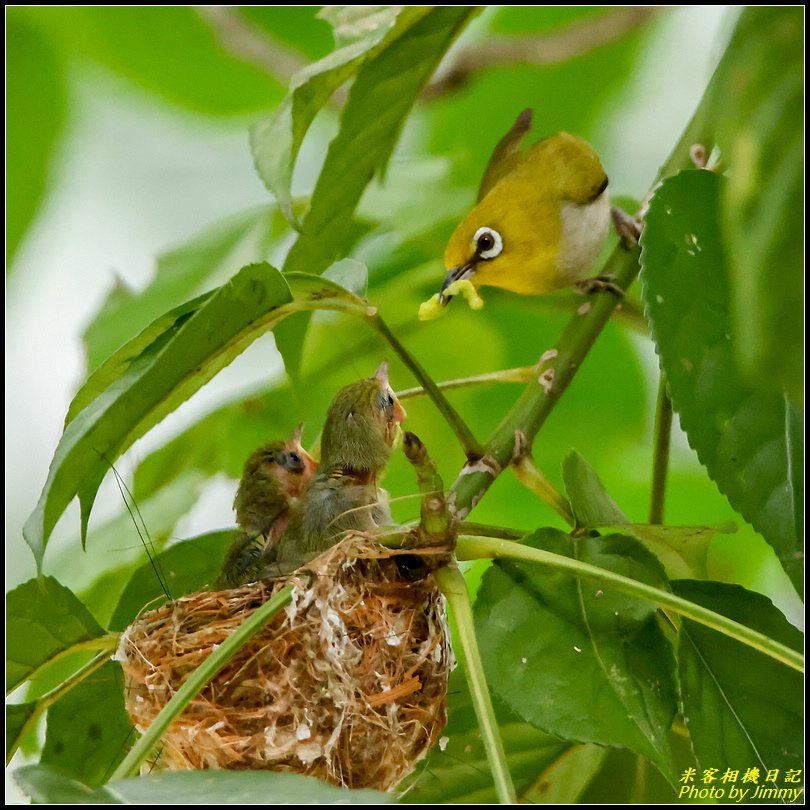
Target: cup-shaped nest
348	683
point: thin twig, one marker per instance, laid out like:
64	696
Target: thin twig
507	375
472	447
576	39
535	481
663	430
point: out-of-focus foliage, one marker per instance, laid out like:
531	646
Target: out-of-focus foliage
574	670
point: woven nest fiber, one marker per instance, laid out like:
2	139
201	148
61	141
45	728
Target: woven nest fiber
347	684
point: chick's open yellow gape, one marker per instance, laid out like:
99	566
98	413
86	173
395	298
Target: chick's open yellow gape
539	224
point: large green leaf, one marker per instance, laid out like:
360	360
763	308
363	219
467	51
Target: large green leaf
46	785
138	391
583	663
35	109
195	267
744	710
275	141
88	729
738	430
456	770
381	97
183	568
759	105
44	620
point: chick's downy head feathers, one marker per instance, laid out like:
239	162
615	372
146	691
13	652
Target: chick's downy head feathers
362	425
541	216
273	476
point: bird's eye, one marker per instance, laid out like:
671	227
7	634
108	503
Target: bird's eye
487	243
390	400
295	458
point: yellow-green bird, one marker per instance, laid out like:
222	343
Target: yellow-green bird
274	477
540	222
360	429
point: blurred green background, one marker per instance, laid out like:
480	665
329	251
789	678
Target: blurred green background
127	141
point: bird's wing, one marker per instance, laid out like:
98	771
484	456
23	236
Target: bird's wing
569	165
505	157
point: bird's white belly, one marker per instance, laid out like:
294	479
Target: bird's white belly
584	230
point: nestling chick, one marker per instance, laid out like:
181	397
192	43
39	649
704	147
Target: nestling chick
273	478
541	219
361	427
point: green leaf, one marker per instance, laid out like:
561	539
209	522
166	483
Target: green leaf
245	787
368	132
738	430
456	770
184	567
46	785
743	709
35	110
275	141
682	550
88	728
44	620
141	390
18	716
759	105
116	365
601	670
590	503
195	267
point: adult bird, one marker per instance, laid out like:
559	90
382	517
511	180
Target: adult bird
540	222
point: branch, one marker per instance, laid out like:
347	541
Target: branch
250	43
576	39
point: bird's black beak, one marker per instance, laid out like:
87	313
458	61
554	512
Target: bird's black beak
456	274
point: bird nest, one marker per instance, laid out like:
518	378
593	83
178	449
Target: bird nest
348	683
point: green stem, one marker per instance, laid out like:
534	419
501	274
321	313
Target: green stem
469	443
434	527
476	548
663	431
534	480
452	584
198	679
49	698
507	375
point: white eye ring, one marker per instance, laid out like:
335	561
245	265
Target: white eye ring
492	243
